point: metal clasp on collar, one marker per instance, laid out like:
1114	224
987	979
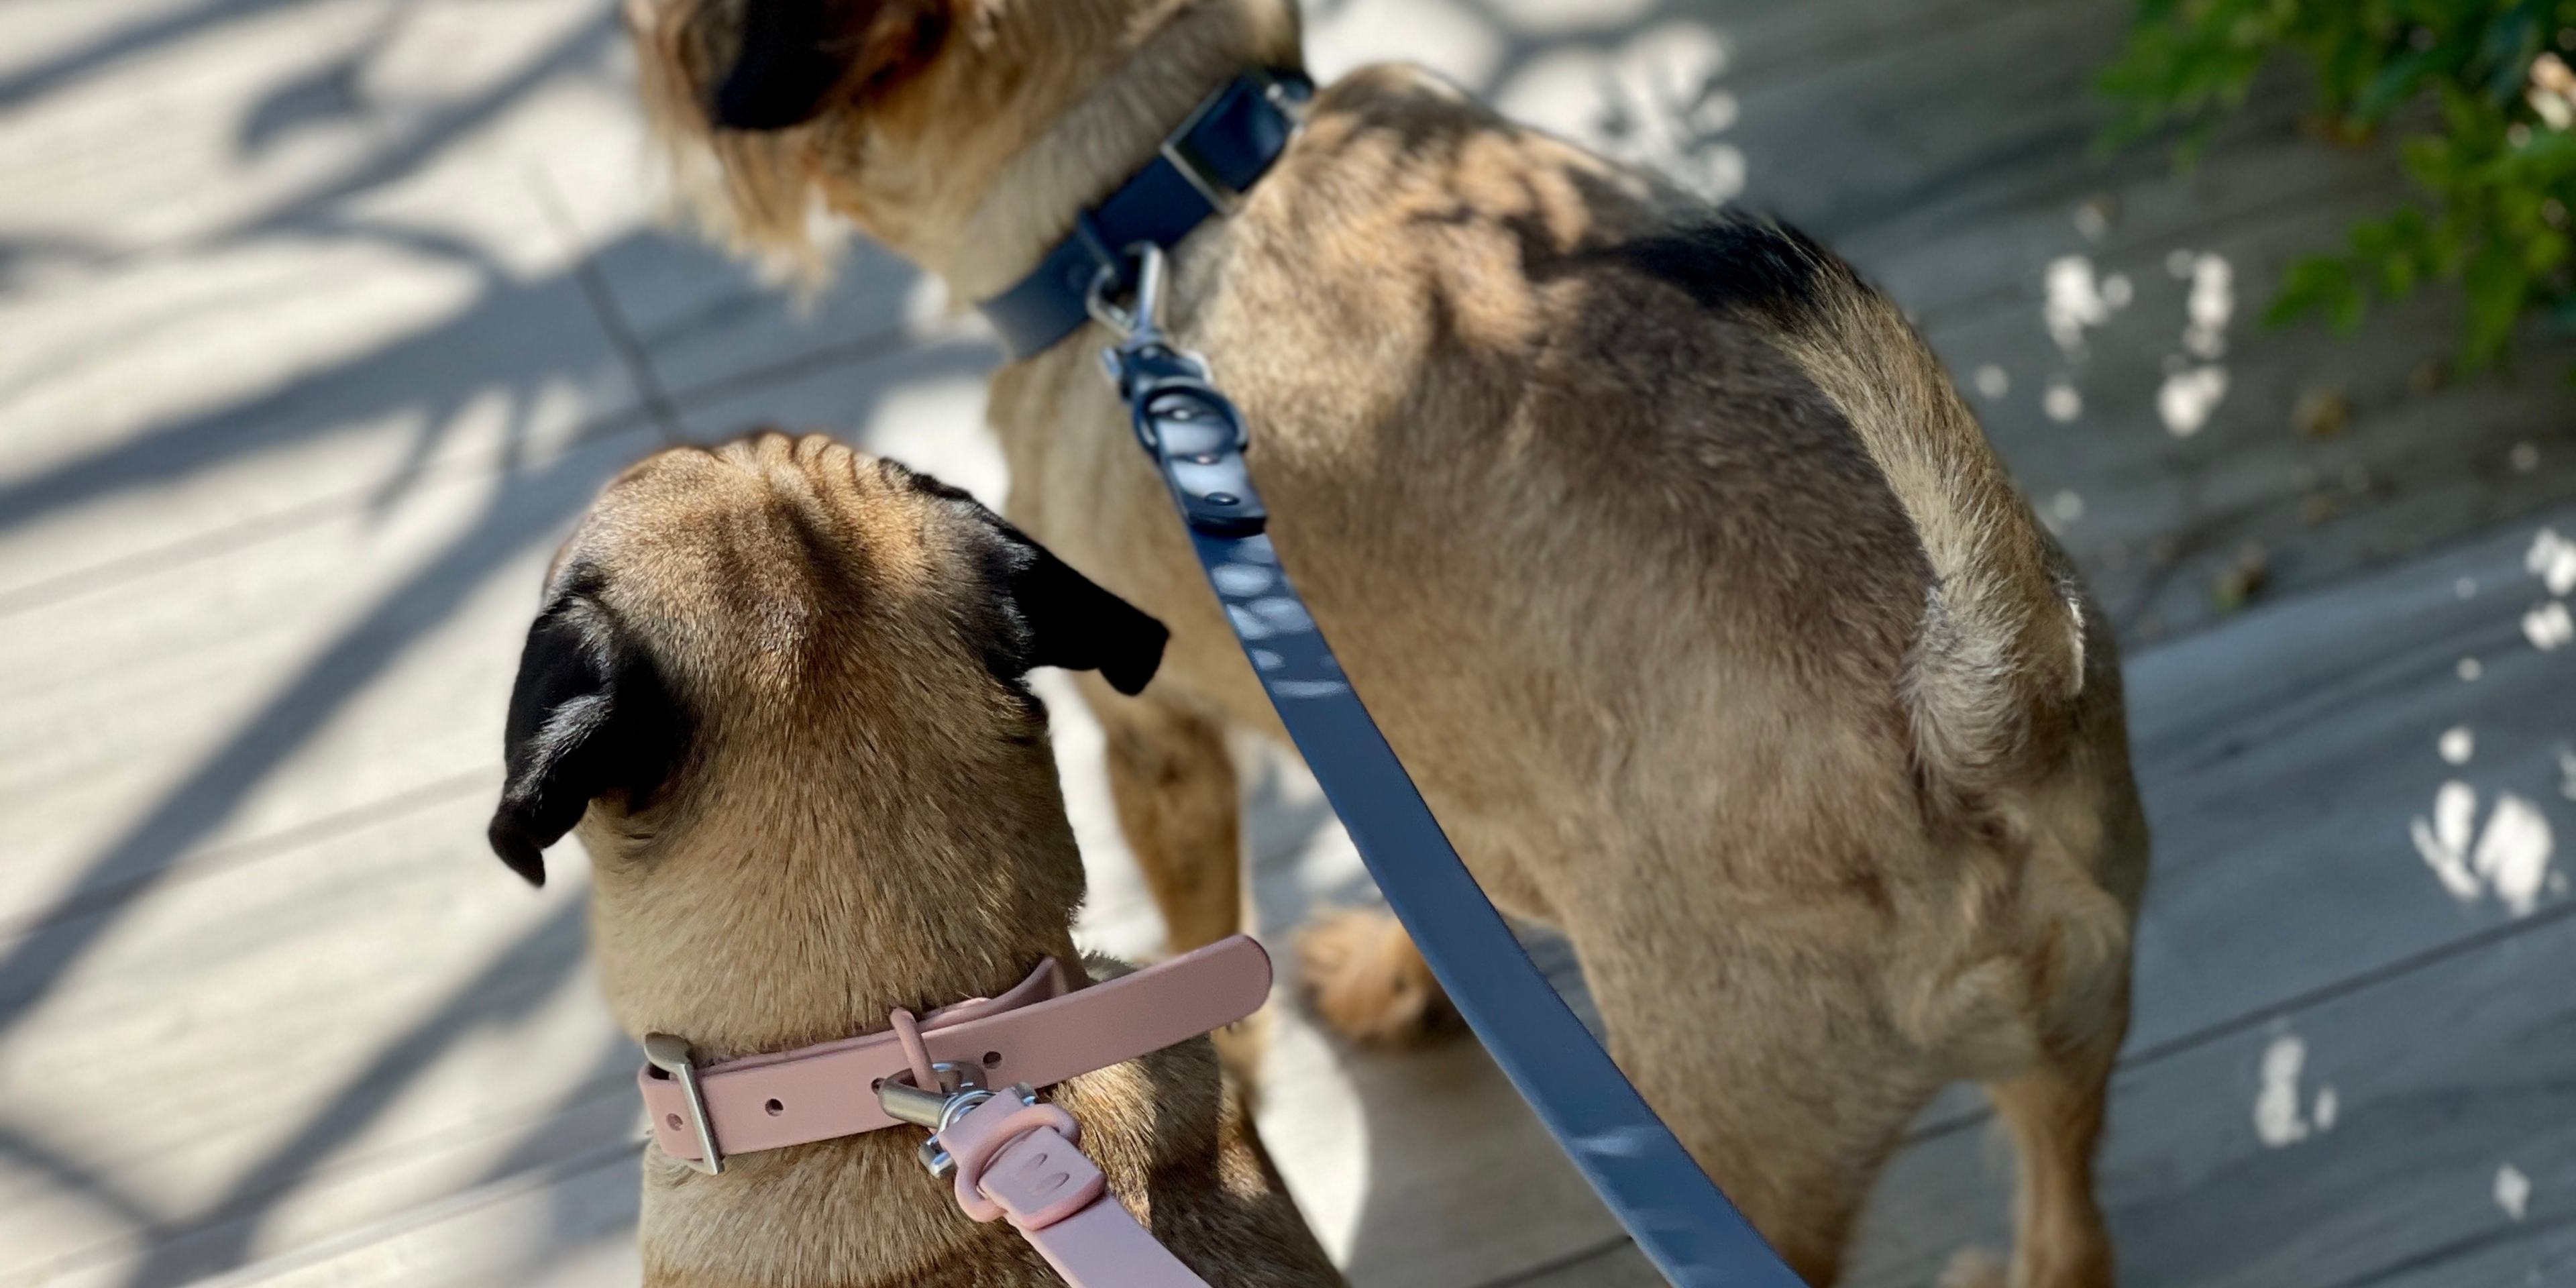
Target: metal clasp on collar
961	1089
1194	166
671	1055
1141	321
1196	434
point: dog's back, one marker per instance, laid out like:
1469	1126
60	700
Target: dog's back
1708	398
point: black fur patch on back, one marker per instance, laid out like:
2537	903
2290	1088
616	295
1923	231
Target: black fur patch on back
1740	264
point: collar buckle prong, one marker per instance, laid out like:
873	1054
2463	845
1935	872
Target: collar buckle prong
671	1055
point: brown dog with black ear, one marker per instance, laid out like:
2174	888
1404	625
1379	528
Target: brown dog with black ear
778	690
1663	549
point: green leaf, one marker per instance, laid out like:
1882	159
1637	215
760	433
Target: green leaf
2496	285
2389	88
2561	317
2321	285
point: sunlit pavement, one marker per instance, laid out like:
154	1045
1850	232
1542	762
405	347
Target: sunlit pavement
320	320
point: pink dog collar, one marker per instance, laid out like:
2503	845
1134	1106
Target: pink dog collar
1014	1158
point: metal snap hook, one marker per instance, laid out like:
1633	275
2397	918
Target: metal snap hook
961	1089
932	1107
1142	317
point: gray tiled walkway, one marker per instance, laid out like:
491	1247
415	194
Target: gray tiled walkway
320	319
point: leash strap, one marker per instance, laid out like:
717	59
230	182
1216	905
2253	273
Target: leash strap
1023	1162
1202	169
1197	439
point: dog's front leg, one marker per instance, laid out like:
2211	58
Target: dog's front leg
1177	802
1179	805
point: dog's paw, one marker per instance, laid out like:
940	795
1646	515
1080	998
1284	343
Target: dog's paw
1367	981
1972	1268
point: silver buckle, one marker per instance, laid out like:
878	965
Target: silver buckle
1193	165
671	1055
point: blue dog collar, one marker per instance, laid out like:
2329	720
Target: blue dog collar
1203	169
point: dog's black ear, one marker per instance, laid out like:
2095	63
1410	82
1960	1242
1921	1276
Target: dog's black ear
796	53
1066	620
589	715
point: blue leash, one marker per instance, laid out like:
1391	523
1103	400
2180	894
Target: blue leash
1197	439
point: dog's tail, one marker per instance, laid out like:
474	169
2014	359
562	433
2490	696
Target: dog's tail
1999	657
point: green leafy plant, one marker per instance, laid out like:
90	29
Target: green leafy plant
2481	103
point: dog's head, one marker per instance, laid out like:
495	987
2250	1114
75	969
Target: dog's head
901	114
781	642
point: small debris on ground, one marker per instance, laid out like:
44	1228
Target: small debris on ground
2095	217
2322	412
2243	579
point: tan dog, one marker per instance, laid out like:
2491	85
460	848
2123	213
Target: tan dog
779	687
1663	549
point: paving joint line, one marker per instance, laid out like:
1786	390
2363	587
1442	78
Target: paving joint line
1561	1261
604	309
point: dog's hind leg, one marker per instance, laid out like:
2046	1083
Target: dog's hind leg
1787	1092
2054	1113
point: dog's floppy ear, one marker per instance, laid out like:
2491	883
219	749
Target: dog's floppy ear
1064	619
589	715
796	54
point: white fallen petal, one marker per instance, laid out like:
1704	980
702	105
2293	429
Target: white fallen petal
2276	1106
2552	559
2513	854
2513	1191
2548	626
